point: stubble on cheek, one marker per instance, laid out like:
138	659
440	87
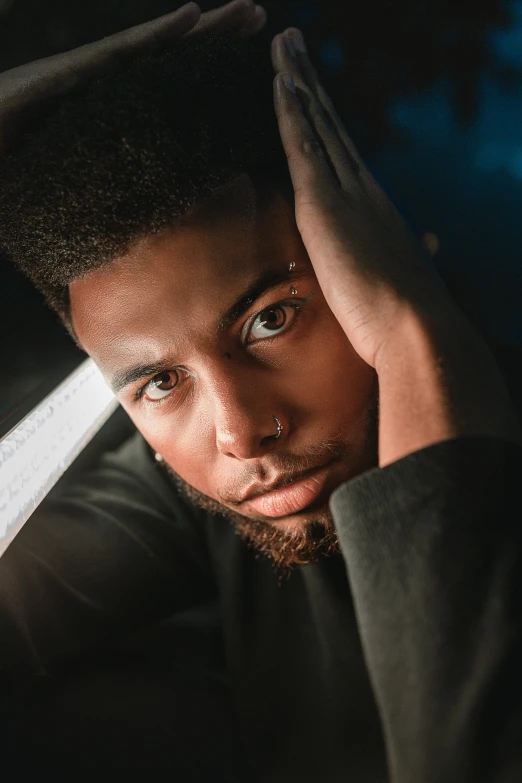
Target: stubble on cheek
296	543
287	547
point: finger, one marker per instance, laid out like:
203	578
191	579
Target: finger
26	90
300	60
233	17
114	50
256	25
343	167
311	77
309	168
55	75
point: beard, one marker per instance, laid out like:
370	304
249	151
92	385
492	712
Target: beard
300	544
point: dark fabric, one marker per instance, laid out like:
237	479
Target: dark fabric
433	547
125	613
111	552
130	714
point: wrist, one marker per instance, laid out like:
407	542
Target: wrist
439	380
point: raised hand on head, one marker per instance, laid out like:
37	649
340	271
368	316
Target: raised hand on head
29	89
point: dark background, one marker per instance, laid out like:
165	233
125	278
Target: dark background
431	91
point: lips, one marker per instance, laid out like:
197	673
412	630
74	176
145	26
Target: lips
291	498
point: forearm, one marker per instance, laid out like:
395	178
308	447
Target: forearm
433	552
439	380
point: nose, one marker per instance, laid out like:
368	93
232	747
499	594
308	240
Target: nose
244	417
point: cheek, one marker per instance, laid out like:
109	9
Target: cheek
328	376
189	455
322	383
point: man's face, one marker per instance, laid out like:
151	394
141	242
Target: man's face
204	389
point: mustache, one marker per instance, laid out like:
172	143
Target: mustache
287	467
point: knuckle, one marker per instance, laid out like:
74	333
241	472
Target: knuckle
311	147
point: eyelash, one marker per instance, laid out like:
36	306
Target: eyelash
296	304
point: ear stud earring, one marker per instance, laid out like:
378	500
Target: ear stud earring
158	457
291	265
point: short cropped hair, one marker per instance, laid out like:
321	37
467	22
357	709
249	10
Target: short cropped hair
131	153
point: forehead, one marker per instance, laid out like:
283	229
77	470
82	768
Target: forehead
170	287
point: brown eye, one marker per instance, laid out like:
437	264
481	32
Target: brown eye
161	385
269	322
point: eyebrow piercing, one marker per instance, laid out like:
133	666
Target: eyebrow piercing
293	290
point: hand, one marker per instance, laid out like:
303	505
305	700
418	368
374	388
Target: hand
31	88
372	270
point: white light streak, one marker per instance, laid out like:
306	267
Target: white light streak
39	450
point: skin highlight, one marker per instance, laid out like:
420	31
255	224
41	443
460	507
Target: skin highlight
213	424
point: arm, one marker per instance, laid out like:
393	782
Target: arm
433	545
433	548
116	550
431	538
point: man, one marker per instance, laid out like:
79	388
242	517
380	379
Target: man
298	376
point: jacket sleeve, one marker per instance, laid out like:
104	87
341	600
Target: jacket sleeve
433	547
115	550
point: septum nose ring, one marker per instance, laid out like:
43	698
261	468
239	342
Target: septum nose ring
279	428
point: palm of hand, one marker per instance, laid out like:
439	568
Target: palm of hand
372	270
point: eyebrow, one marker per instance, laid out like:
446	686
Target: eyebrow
266	282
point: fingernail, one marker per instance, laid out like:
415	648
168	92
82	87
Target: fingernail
298	41
261	12
255	24
288	80
290	46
